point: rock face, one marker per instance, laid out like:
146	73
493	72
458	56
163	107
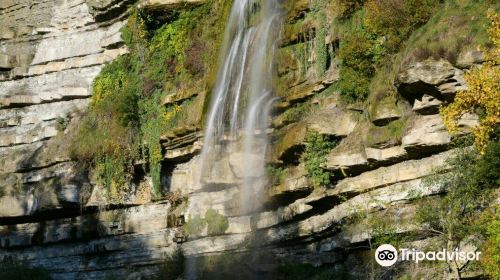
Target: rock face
430	77
50	52
162	5
52	216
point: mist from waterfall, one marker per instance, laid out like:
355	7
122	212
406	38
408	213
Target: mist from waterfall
238	117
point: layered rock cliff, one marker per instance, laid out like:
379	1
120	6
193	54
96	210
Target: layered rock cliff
53	214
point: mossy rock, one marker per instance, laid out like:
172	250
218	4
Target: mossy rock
386	136
290	143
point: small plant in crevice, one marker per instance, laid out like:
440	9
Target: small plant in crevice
276	174
195	225
216	223
317	147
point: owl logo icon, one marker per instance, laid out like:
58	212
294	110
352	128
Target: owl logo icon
386	255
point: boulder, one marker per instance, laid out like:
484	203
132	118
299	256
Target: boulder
349	156
346	160
432	77
426	134
7	61
469	58
296	181
427	105
52	187
385	111
6	33
333	121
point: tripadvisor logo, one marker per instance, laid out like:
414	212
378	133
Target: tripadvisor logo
386	255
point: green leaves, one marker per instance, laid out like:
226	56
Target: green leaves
317	148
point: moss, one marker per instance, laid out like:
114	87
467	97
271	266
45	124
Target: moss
214	222
384	135
296	113
289	140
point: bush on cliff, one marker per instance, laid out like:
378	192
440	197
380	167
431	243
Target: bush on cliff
371	36
127	116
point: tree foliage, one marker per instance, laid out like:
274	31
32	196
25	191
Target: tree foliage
470	184
483	93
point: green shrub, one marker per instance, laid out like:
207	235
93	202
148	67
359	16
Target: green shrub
353	86
217	223
276	174
470	185
317	147
357	67
194	225
395	20
490	223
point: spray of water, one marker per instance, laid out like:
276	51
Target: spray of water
242	98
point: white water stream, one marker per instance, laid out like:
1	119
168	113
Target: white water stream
238	117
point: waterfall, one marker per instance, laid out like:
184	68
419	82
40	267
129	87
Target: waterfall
241	100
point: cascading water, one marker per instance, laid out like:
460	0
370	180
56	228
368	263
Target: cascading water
236	129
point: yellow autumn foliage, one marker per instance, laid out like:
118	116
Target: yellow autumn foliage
483	92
